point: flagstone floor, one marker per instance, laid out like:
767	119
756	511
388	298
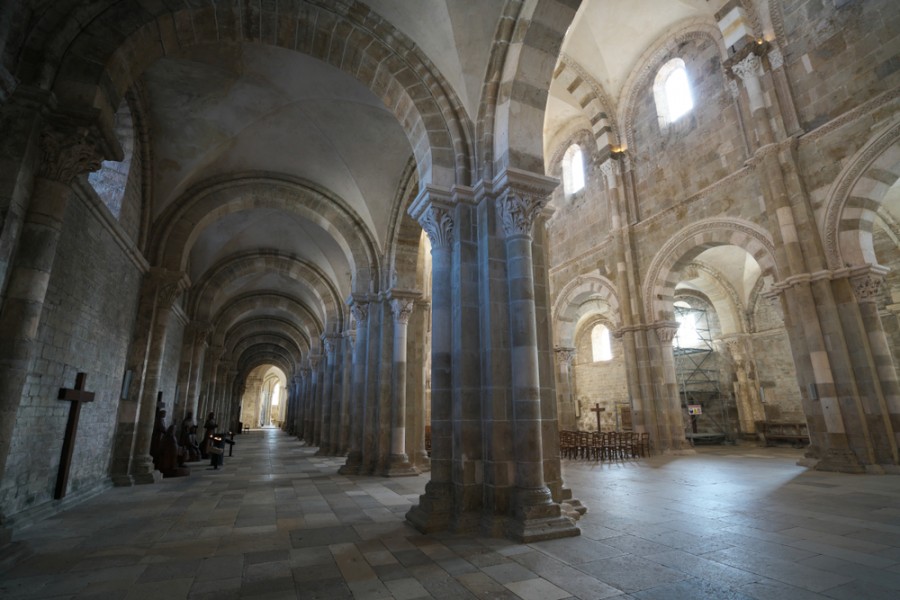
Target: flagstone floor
278	522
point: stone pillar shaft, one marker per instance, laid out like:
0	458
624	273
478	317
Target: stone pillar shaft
401	309
360	311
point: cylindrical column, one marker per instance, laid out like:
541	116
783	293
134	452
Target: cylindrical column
168	287
327	400
401	309
516	213
314	410
360	310
436	504
346	393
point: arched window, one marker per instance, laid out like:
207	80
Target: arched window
601	347
109	182
687	335
573	170
672	92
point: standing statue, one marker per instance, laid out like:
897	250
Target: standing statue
209	428
188	437
172	456
159	430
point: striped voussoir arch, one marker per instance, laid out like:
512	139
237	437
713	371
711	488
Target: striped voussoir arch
93	55
855	198
684	246
583	296
590	96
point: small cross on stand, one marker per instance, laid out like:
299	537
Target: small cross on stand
598	409
76	396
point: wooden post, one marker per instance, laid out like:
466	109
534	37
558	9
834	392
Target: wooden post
76	396
597	410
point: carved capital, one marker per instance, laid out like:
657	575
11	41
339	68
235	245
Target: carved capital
564	356
314	360
610	169
438	224
867	286
402	308
665	331
517	211
733	88
200	330
64	156
360	311
328	341
750	66
776	58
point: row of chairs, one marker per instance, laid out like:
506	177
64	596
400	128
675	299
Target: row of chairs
607	445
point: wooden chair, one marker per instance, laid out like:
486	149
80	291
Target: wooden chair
583	443
610	445
567	443
596	445
644	444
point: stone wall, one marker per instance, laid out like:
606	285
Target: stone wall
600	382
86	326
698	149
839	54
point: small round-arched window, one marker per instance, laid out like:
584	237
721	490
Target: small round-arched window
573	170
601	345
110	181
672	92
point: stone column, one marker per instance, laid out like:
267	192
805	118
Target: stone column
325	448
305	377
202	332
415	388
882	407
167	286
211	368
313	410
668	413
401	309
644	418
337	391
565	387
66	153
809	304
534	512
346	374
435	507
360	310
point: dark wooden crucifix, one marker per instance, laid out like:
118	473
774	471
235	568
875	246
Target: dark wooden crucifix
76	396
598	409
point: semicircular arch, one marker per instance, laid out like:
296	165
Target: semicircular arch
92	55
685	245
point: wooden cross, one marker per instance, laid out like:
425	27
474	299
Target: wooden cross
76	396
597	409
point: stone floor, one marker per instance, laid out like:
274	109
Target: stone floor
278	522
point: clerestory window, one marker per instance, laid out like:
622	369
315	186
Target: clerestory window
573	170
601	346
672	92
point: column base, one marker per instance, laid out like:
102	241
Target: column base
840	461
122	481
434	510
322	451
398	466
153	476
351	467
536	517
